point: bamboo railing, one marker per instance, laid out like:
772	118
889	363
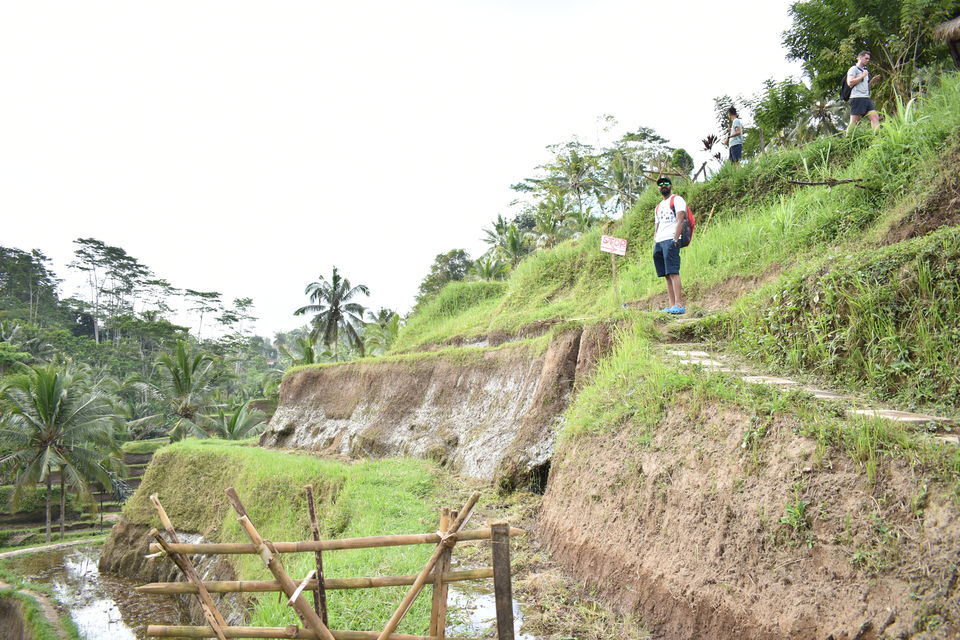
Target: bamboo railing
436	572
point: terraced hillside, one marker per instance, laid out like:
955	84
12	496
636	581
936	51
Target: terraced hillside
701	501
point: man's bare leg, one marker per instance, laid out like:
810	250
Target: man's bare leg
853	122
874	119
673	290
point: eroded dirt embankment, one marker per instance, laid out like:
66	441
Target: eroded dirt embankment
692	532
488	415
127	553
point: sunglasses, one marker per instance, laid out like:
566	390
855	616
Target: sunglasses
663	184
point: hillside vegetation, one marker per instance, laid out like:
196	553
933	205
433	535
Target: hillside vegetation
755	227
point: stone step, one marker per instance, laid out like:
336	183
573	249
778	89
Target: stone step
691	356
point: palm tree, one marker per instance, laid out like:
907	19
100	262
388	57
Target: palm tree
489	268
334	312
495	236
185	379
377	337
239	423
515	245
55	424
305	352
381	317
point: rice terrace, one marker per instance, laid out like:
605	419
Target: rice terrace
707	388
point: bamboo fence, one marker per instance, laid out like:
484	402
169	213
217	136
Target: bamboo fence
314	618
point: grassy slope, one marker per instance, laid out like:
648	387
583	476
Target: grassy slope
879	330
749	219
372	498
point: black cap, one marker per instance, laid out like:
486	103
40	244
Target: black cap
663	180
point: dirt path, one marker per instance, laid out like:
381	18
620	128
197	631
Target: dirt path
694	355
46	547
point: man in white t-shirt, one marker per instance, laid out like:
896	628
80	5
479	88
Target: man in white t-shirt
860	81
734	135
670	217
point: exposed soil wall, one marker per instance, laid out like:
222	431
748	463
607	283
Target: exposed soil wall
687	532
125	551
12	620
489	415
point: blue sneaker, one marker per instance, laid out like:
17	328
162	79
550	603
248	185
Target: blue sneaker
678	310
666	310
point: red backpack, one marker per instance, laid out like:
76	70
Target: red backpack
686	236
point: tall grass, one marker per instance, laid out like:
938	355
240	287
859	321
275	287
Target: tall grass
885	319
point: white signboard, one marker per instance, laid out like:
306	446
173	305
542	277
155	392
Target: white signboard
611	244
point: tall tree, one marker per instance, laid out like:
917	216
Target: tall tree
334	313
451	266
27	281
113	276
826	35
203	302
55	424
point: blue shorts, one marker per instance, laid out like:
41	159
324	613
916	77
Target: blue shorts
666	258
861	106
735	152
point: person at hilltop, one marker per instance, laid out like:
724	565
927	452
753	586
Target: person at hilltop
859	80
670	218
734	135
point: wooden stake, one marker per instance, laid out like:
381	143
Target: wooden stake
502	588
331	584
320	597
209	607
218	548
300	604
415	589
613	270
438	612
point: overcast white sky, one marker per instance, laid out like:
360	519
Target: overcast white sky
247	147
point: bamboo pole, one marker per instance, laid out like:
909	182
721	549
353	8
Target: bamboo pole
273	562
417	586
330	584
320	597
502	589
207	605
438	612
330	545
170	631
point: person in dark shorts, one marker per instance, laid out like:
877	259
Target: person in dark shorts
670	217
859	80
734	135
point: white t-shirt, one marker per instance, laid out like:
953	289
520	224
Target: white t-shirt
861	90
666	220
736	139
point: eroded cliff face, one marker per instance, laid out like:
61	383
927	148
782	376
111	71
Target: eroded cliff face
693	530
490	415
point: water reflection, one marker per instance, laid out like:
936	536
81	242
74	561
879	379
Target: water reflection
473	612
103	606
